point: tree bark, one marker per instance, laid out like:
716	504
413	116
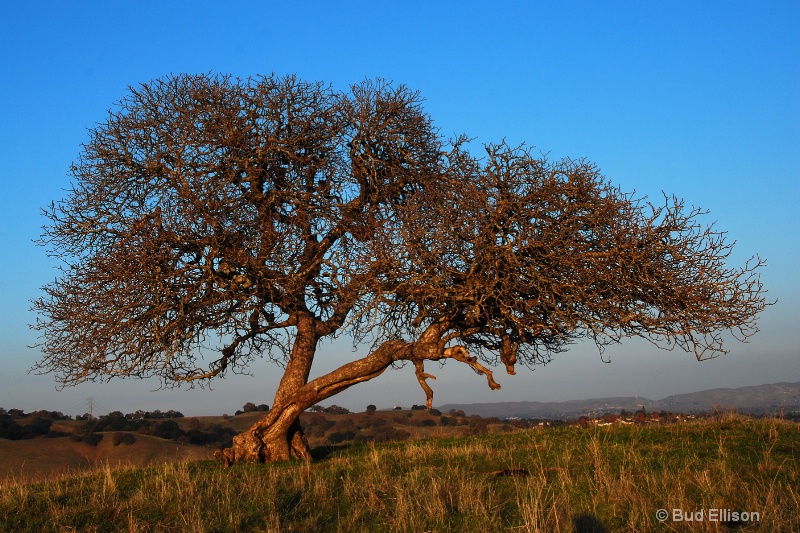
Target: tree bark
278	436
300	360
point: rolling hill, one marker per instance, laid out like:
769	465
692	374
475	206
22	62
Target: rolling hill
34	459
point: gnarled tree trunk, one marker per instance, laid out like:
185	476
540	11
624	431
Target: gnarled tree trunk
278	436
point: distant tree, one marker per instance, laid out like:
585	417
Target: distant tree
113	421
249	407
371	409
336	410
168	429
196	436
271	213
92	439
37	427
52	415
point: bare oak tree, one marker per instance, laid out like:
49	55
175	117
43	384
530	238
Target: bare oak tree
214	220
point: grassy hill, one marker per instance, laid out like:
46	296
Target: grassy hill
37	459
557	479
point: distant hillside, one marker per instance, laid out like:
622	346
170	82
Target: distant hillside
43	458
759	399
553	410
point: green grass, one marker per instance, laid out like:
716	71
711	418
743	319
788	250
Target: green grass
602	479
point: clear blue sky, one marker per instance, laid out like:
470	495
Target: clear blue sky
700	99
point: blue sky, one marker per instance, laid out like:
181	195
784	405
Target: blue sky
699	99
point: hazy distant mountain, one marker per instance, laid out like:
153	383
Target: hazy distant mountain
758	399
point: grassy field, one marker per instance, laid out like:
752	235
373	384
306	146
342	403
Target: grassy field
558	479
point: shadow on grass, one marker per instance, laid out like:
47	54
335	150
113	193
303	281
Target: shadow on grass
587	523
320	453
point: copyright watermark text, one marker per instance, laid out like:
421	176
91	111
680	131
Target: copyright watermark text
707	515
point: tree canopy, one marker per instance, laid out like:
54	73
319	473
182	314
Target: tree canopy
214	220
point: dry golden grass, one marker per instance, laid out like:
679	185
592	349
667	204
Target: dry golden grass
607	479
41	459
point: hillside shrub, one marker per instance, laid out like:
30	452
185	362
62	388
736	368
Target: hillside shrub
372	422
123	438
92	439
478	426
384	434
316	426
168	429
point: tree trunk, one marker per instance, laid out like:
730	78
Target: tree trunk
278	436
